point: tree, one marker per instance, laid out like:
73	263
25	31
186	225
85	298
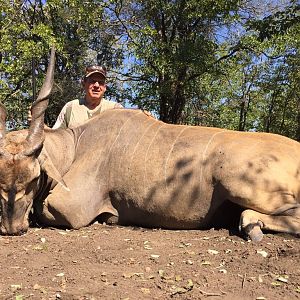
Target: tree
170	45
257	88
27	31
232	64
279	34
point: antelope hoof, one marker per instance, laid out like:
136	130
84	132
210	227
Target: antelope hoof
254	232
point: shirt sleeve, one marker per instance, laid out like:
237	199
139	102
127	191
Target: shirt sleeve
61	121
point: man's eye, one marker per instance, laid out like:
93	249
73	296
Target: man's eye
99	82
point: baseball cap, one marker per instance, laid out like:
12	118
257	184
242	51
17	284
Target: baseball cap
89	70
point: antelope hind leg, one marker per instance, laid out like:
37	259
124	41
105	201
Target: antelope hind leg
253	222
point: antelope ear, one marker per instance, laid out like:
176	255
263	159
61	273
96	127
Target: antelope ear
48	166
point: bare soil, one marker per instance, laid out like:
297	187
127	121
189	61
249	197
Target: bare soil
113	262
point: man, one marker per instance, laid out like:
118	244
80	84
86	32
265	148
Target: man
79	110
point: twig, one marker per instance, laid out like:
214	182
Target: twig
210	294
244	280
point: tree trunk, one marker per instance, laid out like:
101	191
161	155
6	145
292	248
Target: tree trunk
269	116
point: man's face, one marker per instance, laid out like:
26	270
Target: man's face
94	87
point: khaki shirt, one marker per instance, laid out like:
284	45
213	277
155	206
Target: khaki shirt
75	112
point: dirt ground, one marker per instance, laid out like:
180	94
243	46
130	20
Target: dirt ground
112	262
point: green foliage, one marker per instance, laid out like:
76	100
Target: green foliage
27	31
231	64
177	47
277	24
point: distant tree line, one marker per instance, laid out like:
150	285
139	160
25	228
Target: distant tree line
225	63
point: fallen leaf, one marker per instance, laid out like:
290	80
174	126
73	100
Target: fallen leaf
190	284
262	253
213	252
16	287
38	247
161	273
178	278
283	278
178	290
